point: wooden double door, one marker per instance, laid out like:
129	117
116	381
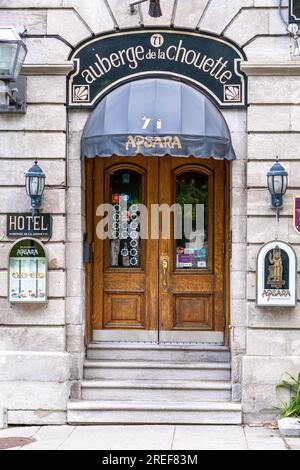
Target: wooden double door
159	249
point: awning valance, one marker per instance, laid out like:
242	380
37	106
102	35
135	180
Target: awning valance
157	117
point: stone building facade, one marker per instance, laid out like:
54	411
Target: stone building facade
43	347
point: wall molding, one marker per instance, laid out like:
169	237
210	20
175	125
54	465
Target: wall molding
271	68
48	69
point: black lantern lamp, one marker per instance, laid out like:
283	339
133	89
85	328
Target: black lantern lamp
12	55
154	9
35	184
277	184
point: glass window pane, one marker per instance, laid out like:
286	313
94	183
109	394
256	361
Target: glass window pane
7	58
125	197
192	195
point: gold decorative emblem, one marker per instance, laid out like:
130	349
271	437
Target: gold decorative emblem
275	277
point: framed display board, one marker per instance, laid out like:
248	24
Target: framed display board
27	272
276	275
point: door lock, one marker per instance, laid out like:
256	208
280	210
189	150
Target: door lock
164	271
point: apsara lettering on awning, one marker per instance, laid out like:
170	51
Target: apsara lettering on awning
204	61
139	142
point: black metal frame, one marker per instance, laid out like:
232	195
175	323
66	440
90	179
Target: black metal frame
293	18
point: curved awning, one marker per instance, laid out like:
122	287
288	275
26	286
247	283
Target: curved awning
157	117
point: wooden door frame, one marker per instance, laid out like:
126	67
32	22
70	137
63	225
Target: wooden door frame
89	238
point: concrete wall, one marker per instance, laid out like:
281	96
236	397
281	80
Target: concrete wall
42	348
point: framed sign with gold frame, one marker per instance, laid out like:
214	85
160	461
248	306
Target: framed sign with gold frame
276	275
27	272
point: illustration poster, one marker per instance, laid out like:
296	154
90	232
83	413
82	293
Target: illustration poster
27	272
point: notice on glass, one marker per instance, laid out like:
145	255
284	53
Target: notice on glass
27	272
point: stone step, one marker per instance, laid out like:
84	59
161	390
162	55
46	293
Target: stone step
136	412
158	352
143	370
168	390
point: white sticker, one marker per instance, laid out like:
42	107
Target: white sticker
201	264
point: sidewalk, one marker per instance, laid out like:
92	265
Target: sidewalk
150	438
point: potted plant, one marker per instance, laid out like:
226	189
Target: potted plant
289	419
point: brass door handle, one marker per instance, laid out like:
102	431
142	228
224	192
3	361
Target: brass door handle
164	270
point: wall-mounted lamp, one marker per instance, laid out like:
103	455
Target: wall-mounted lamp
154	7
277	184
35	184
12	86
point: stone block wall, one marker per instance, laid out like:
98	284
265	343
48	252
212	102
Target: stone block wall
273	336
34	363
42	348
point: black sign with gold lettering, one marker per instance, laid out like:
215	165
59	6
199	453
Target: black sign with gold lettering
204	61
294	11
25	225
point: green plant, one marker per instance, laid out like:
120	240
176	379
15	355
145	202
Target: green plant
290	409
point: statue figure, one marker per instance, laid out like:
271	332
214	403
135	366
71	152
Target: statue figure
275	277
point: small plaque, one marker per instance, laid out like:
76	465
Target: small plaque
25	225
27	272
276	275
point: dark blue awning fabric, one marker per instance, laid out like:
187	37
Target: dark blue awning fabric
157	117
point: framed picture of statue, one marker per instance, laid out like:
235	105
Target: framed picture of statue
276	275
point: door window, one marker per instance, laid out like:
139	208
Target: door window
192	197
125	197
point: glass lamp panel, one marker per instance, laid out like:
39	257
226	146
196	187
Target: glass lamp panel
278	184
7	59
270	184
20	61
27	185
34	186
285	184
41	186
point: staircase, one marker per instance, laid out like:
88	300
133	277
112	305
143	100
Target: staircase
159	384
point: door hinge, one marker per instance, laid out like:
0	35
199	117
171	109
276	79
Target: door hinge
87	252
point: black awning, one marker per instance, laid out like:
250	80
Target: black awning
157	117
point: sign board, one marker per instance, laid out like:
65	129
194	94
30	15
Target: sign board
294	11
204	61
25	225
276	275
296	214
27	272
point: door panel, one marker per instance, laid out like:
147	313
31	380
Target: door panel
125	270
170	289
192	297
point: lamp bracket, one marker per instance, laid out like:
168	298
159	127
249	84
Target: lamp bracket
293	29
16	97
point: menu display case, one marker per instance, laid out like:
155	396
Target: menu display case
27	272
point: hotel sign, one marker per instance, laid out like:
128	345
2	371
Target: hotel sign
276	275
25	225
204	61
